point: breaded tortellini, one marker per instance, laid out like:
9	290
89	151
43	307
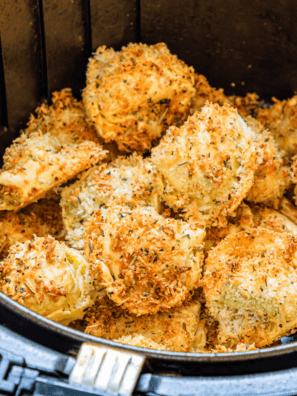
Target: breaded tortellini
131	180
206	167
146	262
272	177
281	120
40	219
56	146
135	94
179	329
49	278
250	284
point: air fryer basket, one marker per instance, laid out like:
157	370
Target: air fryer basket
239	46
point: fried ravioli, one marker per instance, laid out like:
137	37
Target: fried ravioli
206	167
147	263
55	147
272	178
174	330
49	278
281	120
252	216
40	219
250	285
131	180
135	94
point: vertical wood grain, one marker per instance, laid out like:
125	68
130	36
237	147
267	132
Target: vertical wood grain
66	34
22	64
3	111
238	45
114	23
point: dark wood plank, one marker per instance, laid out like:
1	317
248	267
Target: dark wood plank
67	43
20	39
238	45
3	112
5	136
114	23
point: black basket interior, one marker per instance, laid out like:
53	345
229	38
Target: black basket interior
239	46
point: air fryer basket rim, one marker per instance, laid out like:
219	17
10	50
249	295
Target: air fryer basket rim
81	337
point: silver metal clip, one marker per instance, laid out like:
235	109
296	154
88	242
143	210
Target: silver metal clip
107	369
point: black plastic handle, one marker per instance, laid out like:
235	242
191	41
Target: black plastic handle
35	356
21	353
278	383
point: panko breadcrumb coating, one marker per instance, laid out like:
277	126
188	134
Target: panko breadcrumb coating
281	120
49	278
131	180
174	330
246	106
141	342
288	209
241	219
56	146
206	167
271	178
294	179
272	220
172	252
250	285
147	263
40	219
205	93
252	216
135	94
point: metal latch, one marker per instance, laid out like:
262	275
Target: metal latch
108	369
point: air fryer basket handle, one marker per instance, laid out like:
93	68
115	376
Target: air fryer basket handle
280	383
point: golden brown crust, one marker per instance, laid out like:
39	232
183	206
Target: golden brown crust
272	220
206	93
129	179
141	342
40	219
241	219
272	177
281	120
135	94
56	146
294	179
246	217
246	106
288	209
48	277
146	262
250	286
174	330
206	167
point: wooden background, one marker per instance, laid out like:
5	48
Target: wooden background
45	44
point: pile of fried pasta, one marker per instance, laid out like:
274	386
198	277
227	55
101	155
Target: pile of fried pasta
157	212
